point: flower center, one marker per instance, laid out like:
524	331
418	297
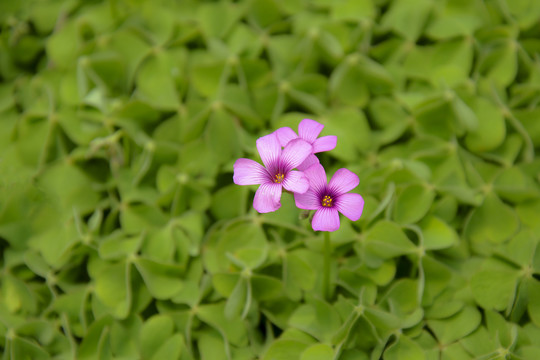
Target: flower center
327	201
278	178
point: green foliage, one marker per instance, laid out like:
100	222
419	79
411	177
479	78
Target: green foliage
122	235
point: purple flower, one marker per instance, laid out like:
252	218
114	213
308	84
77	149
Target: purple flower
276	173
329	199
308	130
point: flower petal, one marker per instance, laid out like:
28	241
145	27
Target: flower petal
296	182
310	161
325	143
309	130
267	198
249	172
350	205
343	181
317	178
308	200
295	153
269	150
325	219
284	135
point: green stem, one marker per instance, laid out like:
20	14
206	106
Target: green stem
326	273
528	153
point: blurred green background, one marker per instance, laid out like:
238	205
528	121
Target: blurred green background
122	235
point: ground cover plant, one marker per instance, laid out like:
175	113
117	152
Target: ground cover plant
124	236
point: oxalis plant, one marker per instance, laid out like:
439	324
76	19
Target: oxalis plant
123	236
281	152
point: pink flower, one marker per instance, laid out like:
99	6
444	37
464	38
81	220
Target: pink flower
330	199
308	130
277	172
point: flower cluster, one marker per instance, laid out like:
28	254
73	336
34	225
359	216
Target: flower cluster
283	151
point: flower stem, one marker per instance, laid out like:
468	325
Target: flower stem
326	271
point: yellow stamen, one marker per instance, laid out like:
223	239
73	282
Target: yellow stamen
327	201
278	178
